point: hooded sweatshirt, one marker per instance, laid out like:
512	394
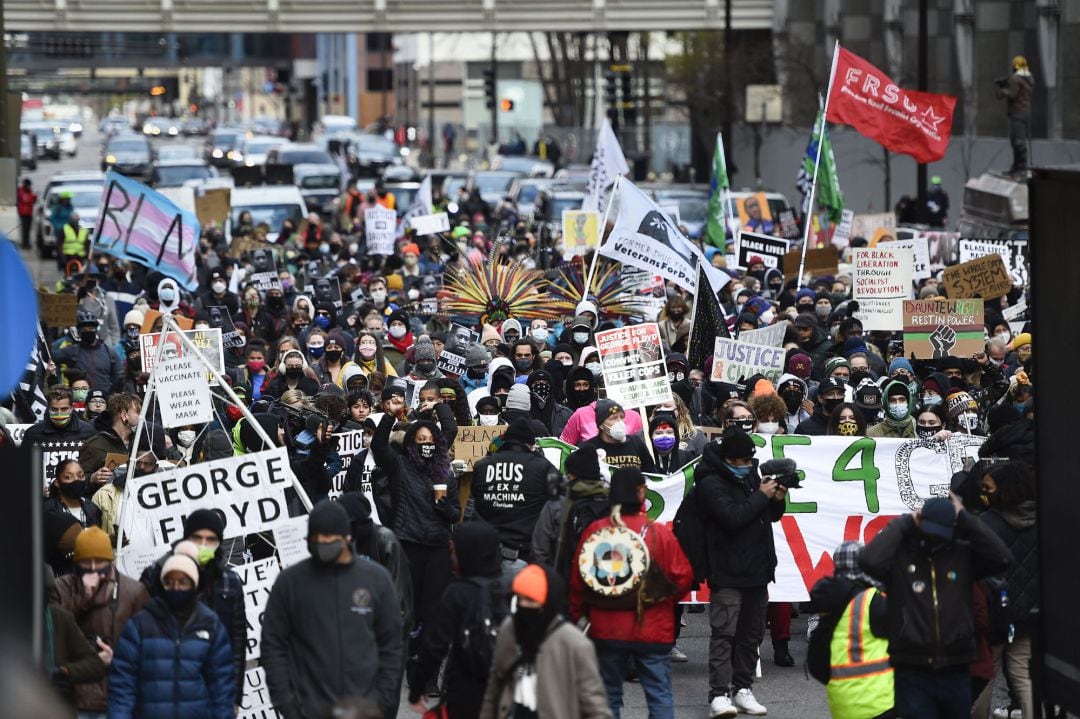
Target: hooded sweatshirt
793	419
485	391
901	427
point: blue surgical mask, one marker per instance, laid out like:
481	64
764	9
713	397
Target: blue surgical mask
316	351
739	472
931	401
322	321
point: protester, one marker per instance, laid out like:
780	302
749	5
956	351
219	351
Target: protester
71	663
620	447
67	493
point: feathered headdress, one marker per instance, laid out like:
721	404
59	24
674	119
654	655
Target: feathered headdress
491	292
608	291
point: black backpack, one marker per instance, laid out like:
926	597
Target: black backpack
819	648
476	640
689	528
582	512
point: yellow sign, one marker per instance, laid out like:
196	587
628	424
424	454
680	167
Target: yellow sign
581	231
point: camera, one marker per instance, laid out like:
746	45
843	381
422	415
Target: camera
1001	81
783	471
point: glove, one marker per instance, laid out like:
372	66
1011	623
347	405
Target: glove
61	682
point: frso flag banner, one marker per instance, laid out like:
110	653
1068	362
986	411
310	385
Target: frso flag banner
632	360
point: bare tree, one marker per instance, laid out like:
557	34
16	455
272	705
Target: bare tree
563	75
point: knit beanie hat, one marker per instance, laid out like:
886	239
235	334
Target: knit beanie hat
736	444
833	362
583	464
800	365
476	356
489	333
328	517
133	317
520	431
531	583
204	519
959	402
182	563
93	543
606	408
424	352
519	398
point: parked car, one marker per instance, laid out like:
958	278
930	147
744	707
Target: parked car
320	184
85	198
369	155
272	204
28	152
221	148
491	184
161	127
253	151
46	137
177	173
129	155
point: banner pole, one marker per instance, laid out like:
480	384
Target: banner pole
600	240
817	164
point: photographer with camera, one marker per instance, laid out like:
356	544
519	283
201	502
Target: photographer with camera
739	505
1016	90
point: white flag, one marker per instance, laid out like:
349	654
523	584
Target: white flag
607	163
421	204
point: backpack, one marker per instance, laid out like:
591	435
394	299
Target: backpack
819	648
476	640
582	512
689	528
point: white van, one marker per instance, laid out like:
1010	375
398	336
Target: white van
336	124
271	204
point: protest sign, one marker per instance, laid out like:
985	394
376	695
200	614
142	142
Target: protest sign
1011	313
207	341
17	431
182	392
430	224
52	454
57	310
249	491
939	328
882	281
771	250
983	277
325	290
788	227
263	270
755	213
380	226
771	336
256	703
114	460
920	255
140	225
580	231
851	487
135	558
842	236
222	320
212	206
258	578
290	539
152	322
244	245
1013	252
349	444
472	443
735	361
819	261
865	225
632	360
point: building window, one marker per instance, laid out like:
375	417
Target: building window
379	42
380	80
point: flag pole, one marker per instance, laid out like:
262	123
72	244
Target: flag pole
824	111
600	240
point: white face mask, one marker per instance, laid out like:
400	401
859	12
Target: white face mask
1005	337
768	427
593	367
567	363
581	337
767	317
219	288
378	296
540	334
397	331
186	437
414	294
618	431
488	420
366	351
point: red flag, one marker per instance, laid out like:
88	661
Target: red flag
906	121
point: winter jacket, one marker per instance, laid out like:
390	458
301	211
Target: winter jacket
96	448
817	425
221	590
549	533
163	669
91	513
45	431
103	614
568	683
1015	440
416	516
1016	528
100	363
279	384
66	646
738	524
900	428
331	632
509	490
831	595
818	349
657	626
386	551
930	619
1017	93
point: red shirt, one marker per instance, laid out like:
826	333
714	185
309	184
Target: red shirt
25	200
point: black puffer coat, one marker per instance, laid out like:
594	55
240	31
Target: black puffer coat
1016	528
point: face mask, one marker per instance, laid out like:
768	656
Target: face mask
73	490
80	395
325	553
898	411
179	598
256	365
316	351
132	332
766	317
425	368
426	450
792	400
488	420
746	425
540	334
858	376
522	365
218	288
88	338
674	377
1004	337
324	248
378	296
594	368
397	331
848	428
829	405
476	372
205	555
995	362
581	337
617	431
542	392
926	432
739	472
186	437
286	285
822	311
60	419
768	427
322	321
411	260
294	372
366	351
414	294
664	443
251	302
968	420
932	400
275	302
334	355
167	295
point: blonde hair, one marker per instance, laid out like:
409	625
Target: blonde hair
293	396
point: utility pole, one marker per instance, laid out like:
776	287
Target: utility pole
495	94
920	174
729	92
431	100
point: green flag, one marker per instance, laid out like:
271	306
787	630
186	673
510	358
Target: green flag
828	192
716	228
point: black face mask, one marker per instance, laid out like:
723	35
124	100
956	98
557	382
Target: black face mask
294	372
830	405
425	368
530	626
522	365
676	376
857	377
132	333
333	356
541	392
927	432
581	397
325	553
275	303
134	364
792	400
87	338
476	372
363	535
178	599
426	450
73	490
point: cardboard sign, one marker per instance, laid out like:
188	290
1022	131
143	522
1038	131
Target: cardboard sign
182	392
771	250
823	261
471	444
264	274
245	245
865	225
380	228
208	342
920	255
57	310
984	278
842	236
580	231
1013	252
114	460
735	361
152	322
881	282
212	206
632	360
942	328
430	224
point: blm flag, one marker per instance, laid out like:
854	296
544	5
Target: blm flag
29	396
709	322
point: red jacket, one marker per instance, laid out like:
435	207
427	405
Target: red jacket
658	624
25	200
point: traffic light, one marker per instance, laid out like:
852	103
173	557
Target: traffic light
157	90
627	90
610	97
489	88
506	104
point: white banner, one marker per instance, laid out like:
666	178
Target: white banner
430	224
920	254
248	489
882	281
258	578
380	227
256	703
771	336
632	360
735	361
182	392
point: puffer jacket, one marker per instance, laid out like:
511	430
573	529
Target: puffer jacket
164	670
1016	528
102	614
416	516
738	526
930	601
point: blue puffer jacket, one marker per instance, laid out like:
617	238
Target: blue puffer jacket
160	669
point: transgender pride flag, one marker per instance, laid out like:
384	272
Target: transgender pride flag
141	225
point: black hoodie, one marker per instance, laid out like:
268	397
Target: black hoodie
553	414
577	399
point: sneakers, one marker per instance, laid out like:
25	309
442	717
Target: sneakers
747	704
677	656
721	706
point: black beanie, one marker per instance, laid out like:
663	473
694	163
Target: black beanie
1001	415
204	519
357	507
392	390
328	517
583	464
521	432
736	444
624	485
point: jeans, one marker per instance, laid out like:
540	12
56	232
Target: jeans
737	618
943	693
1017	669
509	569
653	670
24	229
1019	126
